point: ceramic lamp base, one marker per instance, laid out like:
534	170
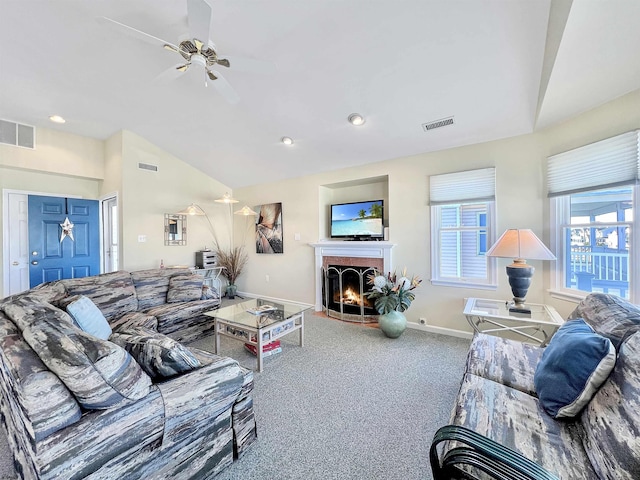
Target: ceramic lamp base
520	275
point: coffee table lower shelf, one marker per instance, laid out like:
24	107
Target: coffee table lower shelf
259	336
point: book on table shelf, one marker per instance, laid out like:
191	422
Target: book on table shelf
268	349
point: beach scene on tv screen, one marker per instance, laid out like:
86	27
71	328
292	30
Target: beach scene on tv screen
357	219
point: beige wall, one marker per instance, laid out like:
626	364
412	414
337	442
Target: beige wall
521	203
58	152
146	196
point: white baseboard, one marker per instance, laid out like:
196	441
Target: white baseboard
442	330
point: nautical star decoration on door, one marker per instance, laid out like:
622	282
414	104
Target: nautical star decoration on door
67	230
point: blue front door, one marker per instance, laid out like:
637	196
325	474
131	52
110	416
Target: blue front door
54	254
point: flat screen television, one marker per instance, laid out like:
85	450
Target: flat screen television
358	220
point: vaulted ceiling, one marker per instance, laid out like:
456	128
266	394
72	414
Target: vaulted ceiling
499	68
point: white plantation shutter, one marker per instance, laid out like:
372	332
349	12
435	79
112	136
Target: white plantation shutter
463	187
608	163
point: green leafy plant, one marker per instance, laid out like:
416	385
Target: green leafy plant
392	292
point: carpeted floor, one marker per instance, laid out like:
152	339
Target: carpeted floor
351	404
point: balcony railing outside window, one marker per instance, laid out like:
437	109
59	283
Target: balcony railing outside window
597	242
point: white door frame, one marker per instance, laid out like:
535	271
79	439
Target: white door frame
6	222
105	230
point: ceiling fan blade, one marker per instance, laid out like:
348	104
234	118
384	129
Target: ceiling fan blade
137	33
223	87
249	65
171	73
199	13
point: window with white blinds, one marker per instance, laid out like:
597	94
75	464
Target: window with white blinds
462	225
608	163
469	186
594	219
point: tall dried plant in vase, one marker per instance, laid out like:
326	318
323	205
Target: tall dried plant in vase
233	260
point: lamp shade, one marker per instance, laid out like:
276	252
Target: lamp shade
246	211
226	198
520	243
192	209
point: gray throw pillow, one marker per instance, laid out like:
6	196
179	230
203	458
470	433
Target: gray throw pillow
184	288
159	356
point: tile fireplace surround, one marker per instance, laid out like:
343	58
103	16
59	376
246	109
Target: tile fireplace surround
351	253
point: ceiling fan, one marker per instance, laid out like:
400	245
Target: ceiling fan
198	50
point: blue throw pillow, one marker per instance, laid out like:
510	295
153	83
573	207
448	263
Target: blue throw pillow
89	317
574	365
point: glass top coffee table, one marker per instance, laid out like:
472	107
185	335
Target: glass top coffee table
258	329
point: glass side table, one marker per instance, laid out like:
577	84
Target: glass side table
493	316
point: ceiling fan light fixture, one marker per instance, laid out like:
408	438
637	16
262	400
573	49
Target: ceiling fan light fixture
57	119
199	60
287	140
356	119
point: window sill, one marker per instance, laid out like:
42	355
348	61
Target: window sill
570	297
479	286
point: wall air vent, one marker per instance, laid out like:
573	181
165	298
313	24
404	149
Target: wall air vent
148	166
443	122
17	134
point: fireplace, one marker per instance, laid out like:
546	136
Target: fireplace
343	293
369	255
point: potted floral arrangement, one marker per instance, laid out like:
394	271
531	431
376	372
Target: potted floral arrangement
393	295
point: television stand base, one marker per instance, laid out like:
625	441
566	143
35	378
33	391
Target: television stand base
363	239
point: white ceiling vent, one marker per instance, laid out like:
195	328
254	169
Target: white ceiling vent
443	122
148	166
17	134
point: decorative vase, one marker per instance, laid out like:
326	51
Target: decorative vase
392	324
231	290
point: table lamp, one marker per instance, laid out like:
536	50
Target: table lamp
520	244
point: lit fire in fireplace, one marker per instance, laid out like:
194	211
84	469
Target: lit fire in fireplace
351	298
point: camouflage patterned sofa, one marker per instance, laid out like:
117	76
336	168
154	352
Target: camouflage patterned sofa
499	425
138	404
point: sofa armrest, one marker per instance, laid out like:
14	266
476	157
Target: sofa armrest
192	400
482	453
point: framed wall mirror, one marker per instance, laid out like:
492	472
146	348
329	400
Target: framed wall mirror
175	229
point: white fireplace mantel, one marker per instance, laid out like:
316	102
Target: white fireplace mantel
370	249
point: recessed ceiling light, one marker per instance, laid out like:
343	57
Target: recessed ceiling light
57	119
287	140
356	119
